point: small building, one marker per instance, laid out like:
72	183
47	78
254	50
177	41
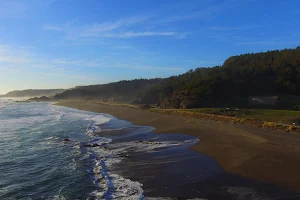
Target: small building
263	100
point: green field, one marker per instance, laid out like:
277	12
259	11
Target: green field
279	116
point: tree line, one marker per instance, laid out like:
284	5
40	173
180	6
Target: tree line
266	73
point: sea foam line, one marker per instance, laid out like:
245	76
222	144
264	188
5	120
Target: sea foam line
113	185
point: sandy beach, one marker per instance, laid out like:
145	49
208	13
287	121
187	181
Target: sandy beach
255	153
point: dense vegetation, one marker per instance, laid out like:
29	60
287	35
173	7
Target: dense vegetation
269	73
32	93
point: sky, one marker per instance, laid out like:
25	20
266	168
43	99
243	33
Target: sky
65	43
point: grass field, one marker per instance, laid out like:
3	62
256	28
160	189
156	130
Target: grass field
268	118
269	115
278	116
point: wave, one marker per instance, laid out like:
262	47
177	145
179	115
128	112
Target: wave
4	103
111	186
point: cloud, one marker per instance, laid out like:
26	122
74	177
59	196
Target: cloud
138	34
190	16
81	62
139	26
21	58
98	29
52	28
123	28
66	61
8	55
69	23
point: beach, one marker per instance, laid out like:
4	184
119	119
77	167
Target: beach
255	153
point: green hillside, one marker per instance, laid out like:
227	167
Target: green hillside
256	74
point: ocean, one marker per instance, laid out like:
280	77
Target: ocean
52	152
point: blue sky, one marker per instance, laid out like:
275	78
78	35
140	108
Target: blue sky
64	43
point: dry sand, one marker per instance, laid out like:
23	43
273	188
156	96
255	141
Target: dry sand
255	153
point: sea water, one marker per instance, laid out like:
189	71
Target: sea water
52	152
37	163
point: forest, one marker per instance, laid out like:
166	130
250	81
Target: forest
262	74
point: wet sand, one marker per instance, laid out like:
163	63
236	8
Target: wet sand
180	173
255	153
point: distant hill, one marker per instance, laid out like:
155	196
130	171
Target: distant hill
32	93
117	91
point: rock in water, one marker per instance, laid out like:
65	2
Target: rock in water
95	145
66	140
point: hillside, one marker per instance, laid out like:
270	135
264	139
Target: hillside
33	93
267	73
125	91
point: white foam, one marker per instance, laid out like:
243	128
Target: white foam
126	188
63	112
114	186
99	119
150	146
101	140
15	123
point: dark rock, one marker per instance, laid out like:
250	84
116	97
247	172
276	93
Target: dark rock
87	145
95	145
38	99
66	140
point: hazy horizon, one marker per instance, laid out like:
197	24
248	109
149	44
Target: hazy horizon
63	43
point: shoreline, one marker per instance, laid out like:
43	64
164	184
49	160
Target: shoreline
255	153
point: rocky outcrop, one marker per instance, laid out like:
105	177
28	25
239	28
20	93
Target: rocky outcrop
38	99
